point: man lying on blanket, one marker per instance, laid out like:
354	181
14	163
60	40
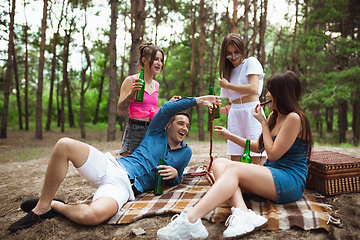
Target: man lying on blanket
117	180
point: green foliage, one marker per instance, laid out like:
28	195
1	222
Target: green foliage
328	54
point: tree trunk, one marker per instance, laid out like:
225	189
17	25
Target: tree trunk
253	38
123	119
84	80
342	120
234	21
246	27
294	54
137	32
192	62
63	85
157	20
111	132
329	118
38	131
52	79
356	118
163	72
201	69
96	116
68	95
5	109
26	28
272	66
212	77
262	33
58	103
53	68
17	85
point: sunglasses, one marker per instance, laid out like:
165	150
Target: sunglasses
232	56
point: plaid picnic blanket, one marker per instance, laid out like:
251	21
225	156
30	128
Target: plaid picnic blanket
306	213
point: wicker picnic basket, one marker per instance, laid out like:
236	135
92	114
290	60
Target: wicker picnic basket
332	173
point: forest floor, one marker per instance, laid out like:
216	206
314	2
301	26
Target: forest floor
21	179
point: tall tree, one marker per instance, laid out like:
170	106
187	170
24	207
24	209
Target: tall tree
201	69
294	52
163	71
211	67
53	68
246	26
26	28
17	86
65	82
96	115
262	29
111	132
192	61
83	78
234	21
38	131
137	32
5	110
253	38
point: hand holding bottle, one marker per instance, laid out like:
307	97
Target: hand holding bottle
139	94
167	172
217	113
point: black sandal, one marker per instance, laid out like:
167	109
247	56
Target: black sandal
30	219
29	204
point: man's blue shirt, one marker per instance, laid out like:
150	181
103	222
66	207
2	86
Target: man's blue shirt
141	165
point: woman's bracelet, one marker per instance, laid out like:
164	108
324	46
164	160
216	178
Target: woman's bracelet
227	110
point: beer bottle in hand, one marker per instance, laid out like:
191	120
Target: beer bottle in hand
159	183
217	113
246	155
139	94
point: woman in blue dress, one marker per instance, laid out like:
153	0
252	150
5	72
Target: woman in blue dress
287	139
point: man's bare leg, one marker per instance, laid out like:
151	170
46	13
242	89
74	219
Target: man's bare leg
88	214
65	150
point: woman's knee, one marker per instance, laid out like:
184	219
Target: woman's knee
219	166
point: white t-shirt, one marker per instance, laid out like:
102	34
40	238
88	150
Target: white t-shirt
239	76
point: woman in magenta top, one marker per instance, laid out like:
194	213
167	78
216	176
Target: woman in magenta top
140	114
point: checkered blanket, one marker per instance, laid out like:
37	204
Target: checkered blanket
306	213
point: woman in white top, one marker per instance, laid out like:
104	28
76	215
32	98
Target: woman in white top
241	83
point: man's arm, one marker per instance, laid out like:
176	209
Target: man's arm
170	108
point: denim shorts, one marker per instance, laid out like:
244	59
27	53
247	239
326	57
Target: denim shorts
288	187
134	133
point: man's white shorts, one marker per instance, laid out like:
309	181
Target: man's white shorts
108	176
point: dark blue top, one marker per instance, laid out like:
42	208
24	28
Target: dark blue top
141	165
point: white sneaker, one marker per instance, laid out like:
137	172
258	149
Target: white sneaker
181	228
241	223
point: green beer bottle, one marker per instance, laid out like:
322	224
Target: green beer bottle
246	155
139	94
159	183
217	113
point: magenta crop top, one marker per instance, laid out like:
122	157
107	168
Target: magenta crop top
147	108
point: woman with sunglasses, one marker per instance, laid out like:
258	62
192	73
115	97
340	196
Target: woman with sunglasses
241	82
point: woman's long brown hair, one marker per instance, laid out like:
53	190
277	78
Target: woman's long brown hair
225	66
285	88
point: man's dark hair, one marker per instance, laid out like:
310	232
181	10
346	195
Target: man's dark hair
179	113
